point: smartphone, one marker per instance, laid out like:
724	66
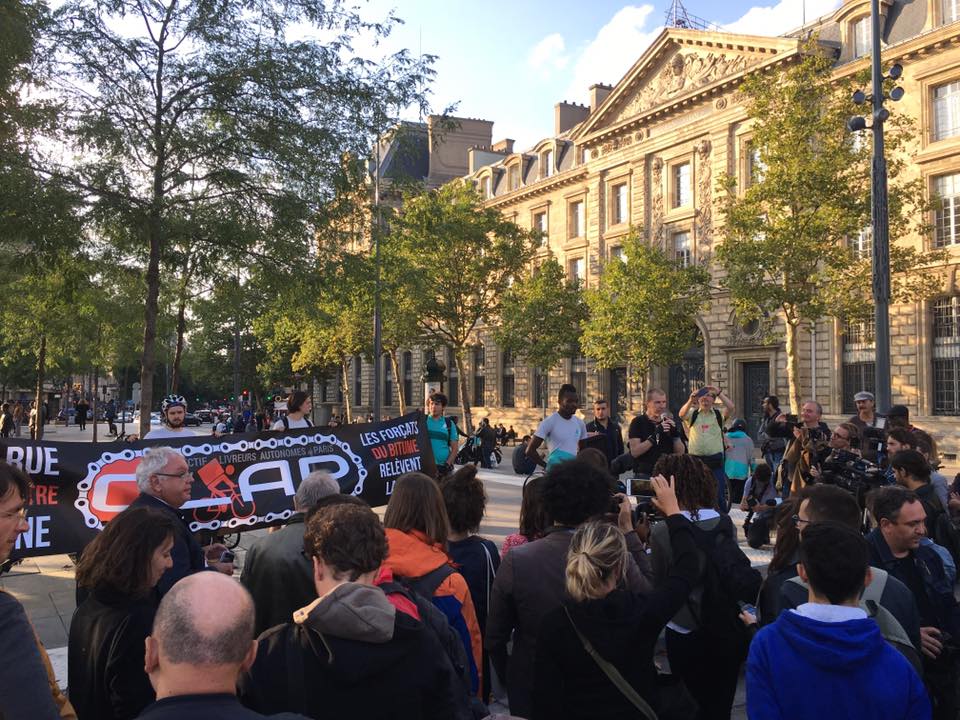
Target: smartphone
226	556
702	391
748	608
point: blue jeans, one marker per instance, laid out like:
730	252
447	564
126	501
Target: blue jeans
720	476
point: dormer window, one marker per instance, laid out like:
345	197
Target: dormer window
546	163
485	188
862	37
513	178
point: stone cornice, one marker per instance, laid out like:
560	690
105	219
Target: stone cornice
539	187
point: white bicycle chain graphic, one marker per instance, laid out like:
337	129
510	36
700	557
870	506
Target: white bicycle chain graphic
82	503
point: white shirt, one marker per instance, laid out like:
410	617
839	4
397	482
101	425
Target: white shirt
563	435
294	424
163	432
829	613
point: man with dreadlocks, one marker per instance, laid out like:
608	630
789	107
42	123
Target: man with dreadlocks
706	642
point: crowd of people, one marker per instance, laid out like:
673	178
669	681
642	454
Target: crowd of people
340	613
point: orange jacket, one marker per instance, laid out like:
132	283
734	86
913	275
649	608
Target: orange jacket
412	555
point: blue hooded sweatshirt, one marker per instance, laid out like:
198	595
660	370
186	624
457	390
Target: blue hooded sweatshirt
804	669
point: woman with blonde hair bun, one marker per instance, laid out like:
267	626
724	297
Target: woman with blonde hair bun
604	635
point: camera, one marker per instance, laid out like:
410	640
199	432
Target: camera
852	473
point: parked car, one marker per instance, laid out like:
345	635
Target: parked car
191	419
204	415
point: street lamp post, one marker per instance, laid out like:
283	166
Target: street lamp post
878	207
377	320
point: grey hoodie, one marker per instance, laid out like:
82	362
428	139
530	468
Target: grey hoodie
352	611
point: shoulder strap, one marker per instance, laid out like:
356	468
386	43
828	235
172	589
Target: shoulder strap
427	584
874	590
693	418
309	424
490	571
286	422
449	428
611	672
719	418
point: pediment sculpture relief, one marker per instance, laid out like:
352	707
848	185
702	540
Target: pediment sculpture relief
684	73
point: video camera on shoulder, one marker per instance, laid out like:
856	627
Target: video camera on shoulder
852	473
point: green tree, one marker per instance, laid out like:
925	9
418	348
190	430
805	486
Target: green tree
460	259
541	316
786	237
180	104
643	312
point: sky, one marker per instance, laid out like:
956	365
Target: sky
511	61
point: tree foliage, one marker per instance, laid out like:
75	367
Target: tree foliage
175	105
786	248
642	314
460	259
541	315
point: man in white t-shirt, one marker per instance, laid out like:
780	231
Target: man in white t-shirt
299	406
563	431
173	412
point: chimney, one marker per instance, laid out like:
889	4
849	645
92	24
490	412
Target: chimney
567	115
504	146
598	93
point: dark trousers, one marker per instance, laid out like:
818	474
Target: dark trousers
709	672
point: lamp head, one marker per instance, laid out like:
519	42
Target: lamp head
859	98
857	123
895	71
896	94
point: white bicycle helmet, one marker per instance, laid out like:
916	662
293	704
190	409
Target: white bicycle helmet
172	401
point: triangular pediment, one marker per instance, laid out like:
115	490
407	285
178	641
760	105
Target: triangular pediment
680	65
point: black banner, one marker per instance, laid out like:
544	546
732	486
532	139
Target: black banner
241	482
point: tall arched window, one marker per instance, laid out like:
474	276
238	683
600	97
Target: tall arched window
479	379
407	364
508	380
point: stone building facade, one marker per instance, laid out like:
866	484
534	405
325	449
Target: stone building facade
646	154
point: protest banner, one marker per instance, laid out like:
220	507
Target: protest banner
241	482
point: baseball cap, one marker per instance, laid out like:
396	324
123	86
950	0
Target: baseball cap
863	395
898	411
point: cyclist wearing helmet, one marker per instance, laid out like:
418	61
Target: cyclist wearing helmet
173	411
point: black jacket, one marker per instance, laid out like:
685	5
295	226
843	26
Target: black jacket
623	628
529	584
206	707
937	587
187	554
105	656
277	561
613	448
350	654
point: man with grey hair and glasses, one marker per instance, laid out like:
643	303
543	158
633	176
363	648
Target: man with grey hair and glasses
164	479
276	571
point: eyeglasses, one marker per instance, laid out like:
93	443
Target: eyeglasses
798	521
186	474
20	514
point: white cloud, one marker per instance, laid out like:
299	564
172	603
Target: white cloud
783	17
613	51
548	55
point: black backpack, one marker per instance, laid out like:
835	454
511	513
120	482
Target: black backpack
419	591
727	579
286	422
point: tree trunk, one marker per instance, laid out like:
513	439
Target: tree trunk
148	360
793	367
398	381
38	395
465	397
345	378
93	402
181	330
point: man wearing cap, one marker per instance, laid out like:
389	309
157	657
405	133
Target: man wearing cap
870	424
